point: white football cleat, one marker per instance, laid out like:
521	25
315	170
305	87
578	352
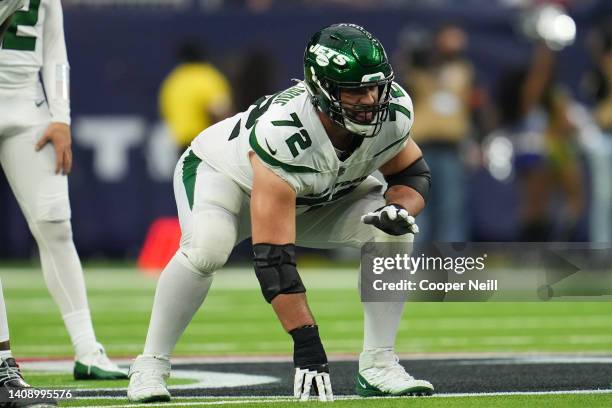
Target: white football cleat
97	366
381	374
148	376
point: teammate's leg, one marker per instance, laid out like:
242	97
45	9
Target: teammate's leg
43	198
208	205
10	374
5	345
339	225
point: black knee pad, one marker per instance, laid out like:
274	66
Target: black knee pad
276	271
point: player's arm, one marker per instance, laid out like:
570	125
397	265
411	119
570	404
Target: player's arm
55	73
409	180
273	234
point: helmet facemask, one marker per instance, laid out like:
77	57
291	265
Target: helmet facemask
328	99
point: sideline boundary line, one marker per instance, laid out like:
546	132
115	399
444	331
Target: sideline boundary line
273	399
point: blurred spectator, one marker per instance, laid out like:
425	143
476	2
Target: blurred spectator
440	81
193	96
534	113
255	78
255	6
349	4
599	86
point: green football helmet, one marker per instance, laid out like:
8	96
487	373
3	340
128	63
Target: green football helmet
344	57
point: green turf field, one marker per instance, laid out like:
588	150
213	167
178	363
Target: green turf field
235	320
507	401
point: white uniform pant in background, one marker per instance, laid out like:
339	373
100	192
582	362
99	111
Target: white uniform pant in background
43	198
4	329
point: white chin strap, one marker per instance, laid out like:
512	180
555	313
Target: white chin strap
361	129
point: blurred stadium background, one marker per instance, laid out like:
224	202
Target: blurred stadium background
121	51
532	162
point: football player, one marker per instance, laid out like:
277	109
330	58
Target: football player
11	378
36	157
295	169
10	374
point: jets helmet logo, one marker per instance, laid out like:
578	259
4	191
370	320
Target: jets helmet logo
324	55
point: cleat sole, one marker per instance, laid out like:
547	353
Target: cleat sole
83	372
153	398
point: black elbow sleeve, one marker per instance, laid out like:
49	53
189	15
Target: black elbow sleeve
416	176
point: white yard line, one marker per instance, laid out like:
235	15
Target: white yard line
269	400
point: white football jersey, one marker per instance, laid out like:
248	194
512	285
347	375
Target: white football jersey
33	43
285	132
8	7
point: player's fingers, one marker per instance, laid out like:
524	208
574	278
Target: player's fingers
410	219
67	161
328	388
384	217
59	159
390	212
298	381
306	387
403	214
415	229
368	218
41	142
320	388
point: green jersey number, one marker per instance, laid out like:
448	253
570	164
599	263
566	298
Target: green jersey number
300	138
28	18
396	91
261	106
394	108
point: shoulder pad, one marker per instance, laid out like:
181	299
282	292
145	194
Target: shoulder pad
280	139
400	109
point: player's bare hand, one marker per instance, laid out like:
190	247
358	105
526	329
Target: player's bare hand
313	378
58	134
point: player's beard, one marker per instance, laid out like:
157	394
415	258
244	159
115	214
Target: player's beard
359	116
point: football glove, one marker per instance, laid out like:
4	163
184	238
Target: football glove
392	219
314	378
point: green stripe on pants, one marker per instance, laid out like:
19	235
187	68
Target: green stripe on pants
190	169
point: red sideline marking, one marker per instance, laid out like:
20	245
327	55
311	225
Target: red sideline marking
160	245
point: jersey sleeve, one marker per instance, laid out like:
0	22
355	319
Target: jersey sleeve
401	111
277	144
55	70
401	117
